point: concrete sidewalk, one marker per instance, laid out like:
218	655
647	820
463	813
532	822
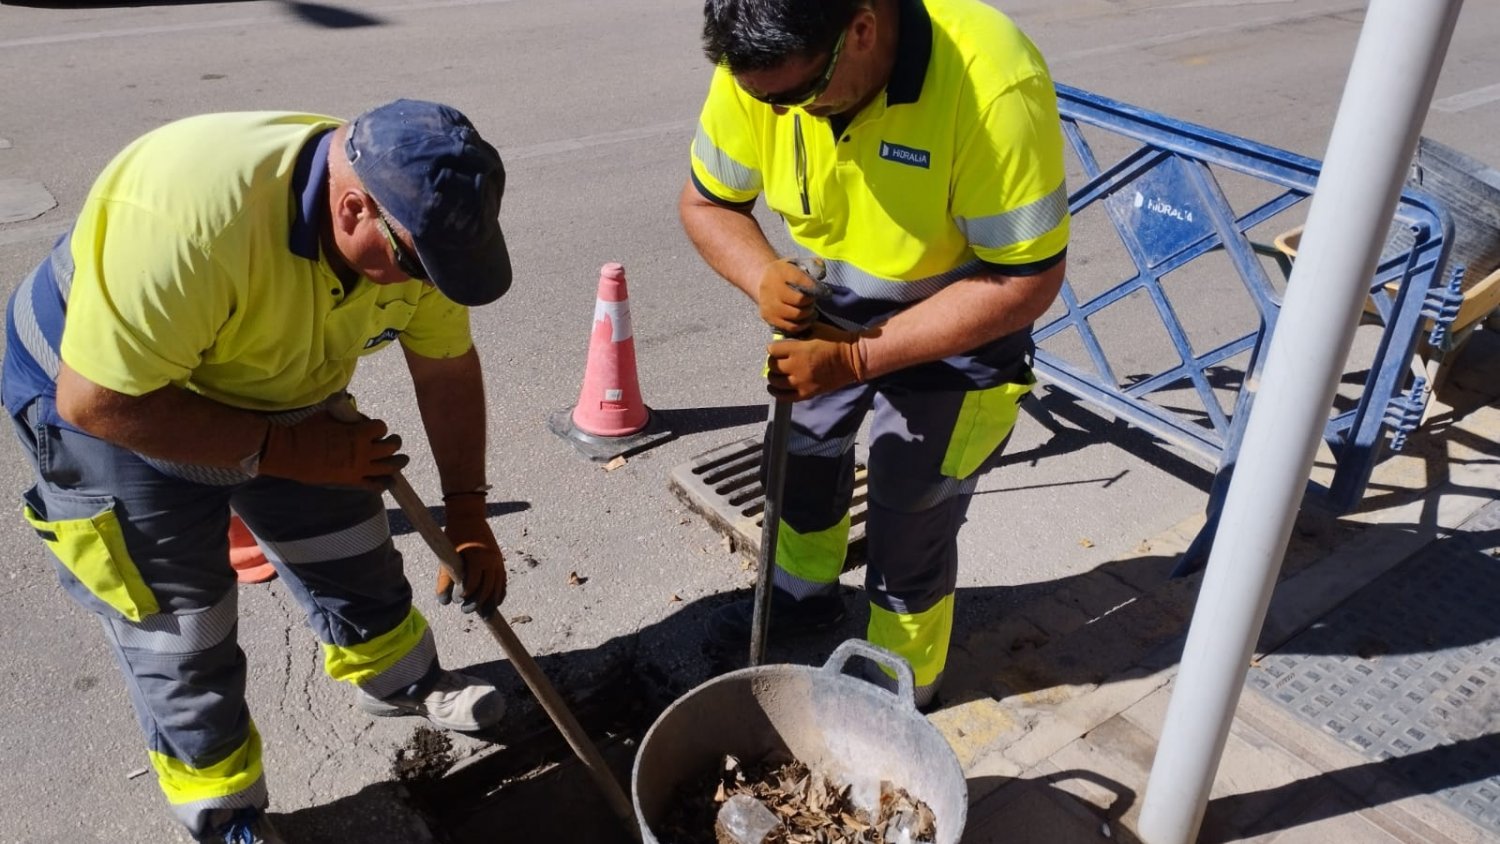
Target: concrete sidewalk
1372	711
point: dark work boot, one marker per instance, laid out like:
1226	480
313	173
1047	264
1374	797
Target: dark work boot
728	626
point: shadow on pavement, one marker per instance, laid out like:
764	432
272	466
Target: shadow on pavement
366	815
1040	810
401	525
1305	801
700	420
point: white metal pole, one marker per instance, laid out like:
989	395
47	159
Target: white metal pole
1395	68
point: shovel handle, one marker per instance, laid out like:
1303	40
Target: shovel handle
453	563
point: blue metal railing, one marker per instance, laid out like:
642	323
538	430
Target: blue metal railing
1168	209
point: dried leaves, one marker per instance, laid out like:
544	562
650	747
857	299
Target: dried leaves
805	806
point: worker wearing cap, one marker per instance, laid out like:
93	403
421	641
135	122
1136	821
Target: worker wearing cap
914	148
174	356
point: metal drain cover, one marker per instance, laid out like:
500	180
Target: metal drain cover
1408	670
723	485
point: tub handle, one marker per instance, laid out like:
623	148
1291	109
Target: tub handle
905	683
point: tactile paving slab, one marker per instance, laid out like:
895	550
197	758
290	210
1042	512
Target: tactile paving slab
1408	671
724	486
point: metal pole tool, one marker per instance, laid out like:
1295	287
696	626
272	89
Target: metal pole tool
775	466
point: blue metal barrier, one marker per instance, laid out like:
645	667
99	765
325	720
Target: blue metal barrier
1168	209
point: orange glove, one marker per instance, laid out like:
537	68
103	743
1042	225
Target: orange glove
823	361
782	306
323	451
484	565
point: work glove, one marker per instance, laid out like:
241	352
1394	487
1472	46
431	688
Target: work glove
323	451
782	306
822	361
484	565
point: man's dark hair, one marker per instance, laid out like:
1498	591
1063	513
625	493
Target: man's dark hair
758	34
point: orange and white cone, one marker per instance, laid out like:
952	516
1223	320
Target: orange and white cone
610	418
245	557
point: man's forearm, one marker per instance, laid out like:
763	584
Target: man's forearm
730	240
450	396
169	423
962	316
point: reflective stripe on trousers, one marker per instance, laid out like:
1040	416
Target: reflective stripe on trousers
181	661
927	453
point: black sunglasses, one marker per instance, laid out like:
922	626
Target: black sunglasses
405	260
805	95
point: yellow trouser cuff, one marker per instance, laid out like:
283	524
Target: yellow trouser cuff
919	638
816	557
182	783
359	663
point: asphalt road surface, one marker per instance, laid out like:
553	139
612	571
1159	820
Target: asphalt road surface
592	103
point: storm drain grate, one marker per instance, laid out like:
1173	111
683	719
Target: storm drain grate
1407	672
723	485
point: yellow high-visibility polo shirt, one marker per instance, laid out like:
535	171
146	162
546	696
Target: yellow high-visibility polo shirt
957	169
197	263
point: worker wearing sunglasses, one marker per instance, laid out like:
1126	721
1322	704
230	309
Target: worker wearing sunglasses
914	148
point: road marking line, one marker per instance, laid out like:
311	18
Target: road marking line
684	127
280	17
1175	37
1467	100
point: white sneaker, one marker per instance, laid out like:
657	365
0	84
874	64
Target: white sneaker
458	702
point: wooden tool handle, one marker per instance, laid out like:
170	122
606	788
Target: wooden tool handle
450	560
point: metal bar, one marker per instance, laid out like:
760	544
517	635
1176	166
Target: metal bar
1168	426
1394	71
1205	144
1205	361
760	619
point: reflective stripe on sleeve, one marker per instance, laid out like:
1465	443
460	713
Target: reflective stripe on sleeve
730	173
868	286
1018	225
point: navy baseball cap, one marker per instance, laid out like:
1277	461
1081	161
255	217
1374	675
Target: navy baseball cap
427	167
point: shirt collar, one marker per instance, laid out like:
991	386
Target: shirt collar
913	52
309	186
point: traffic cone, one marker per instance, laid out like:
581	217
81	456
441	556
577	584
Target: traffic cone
245	557
610	419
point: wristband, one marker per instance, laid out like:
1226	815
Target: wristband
478	490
